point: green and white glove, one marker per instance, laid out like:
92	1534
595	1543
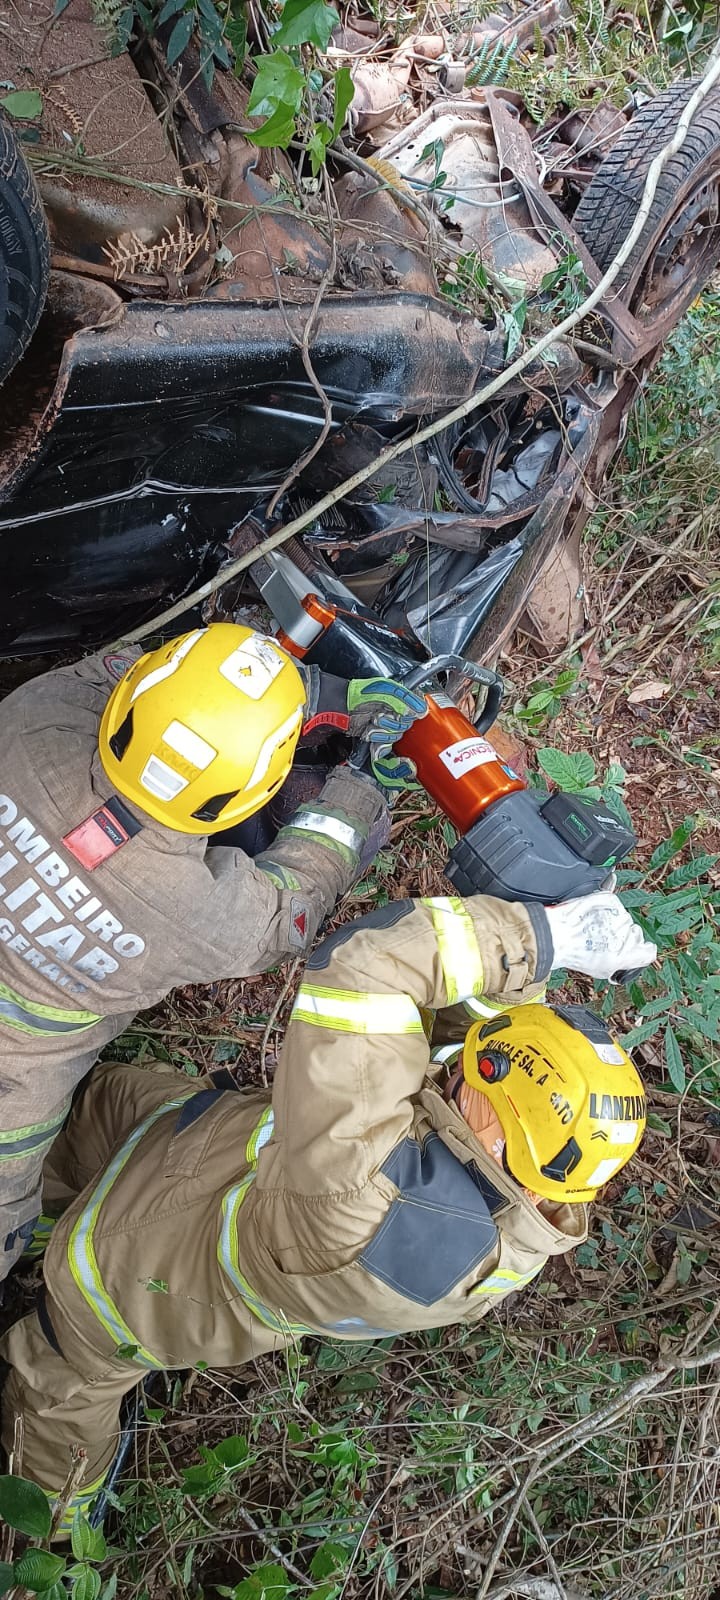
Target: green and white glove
381	711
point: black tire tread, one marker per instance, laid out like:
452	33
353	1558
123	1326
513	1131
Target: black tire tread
23	286
609	205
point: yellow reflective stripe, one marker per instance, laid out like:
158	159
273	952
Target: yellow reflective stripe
39	1237
503	1280
261	1135
457	946
81	1246
228	1242
480	1006
28	1016
349	1011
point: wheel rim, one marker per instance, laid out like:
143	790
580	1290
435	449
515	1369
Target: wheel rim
683	255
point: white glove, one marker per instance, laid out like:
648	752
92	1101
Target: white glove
597	936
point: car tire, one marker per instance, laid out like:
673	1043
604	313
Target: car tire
24	252
680	244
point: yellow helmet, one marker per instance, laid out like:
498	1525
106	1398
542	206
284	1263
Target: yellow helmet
200	733
571	1104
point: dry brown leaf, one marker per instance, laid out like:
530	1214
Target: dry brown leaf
648	691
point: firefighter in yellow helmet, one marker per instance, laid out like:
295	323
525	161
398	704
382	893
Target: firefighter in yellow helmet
118	774
369	1197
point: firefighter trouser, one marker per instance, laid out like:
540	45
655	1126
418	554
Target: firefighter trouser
35	1098
133	1279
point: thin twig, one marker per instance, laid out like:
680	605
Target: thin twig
506	1530
71	1485
487	392
645	577
272	1019
304	347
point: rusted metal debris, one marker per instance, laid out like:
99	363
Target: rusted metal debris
167	391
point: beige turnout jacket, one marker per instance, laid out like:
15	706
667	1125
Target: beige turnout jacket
207	1224
81	951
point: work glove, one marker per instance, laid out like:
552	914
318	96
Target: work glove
374	711
597	936
381	711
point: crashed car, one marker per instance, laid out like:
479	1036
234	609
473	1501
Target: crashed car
179	329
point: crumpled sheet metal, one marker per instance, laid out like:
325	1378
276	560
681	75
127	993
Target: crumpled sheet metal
488	207
382	242
271	237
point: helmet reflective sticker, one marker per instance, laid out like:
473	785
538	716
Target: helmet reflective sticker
624	1133
608	1053
253	666
603	1171
274	742
189	745
160	780
168	667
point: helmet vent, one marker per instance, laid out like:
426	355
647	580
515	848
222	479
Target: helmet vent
120	740
212	808
564	1162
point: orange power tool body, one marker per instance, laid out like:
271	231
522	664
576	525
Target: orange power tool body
514	842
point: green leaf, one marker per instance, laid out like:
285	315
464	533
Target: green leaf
513	323
7	1577
24	104
276	132
201	1480
572	773
675	1063
647	1030
87	1584
231	1452
88	1544
330	1557
81	1536
180	37
126	1352
170	9
157	1285
278	83
306	22
267	1582
655	1008
684	1267
672	846
344	92
236	35
38	1569
317	146
110	1588
24	1507
697	868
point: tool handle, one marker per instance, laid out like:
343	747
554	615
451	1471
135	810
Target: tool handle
427	670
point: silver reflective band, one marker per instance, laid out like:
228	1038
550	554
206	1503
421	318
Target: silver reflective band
320	822
446	1052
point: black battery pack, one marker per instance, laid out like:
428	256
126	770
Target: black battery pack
529	846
